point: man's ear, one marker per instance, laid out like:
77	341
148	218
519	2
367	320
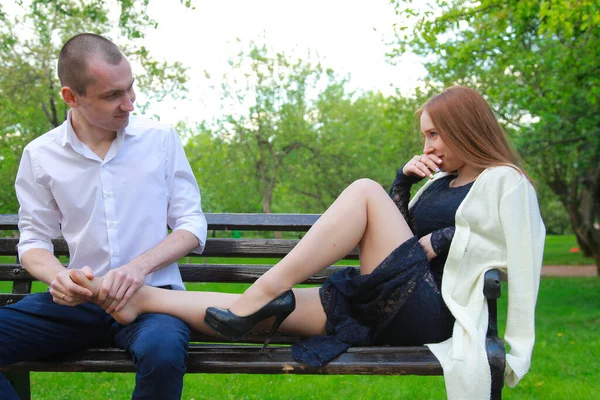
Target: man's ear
69	96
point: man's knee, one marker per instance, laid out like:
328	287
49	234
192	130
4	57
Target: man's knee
162	350
162	356
159	356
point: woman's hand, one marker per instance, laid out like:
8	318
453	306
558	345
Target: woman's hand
425	242
423	165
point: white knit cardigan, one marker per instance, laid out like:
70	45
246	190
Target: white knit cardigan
498	225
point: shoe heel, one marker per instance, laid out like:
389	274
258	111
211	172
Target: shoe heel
278	320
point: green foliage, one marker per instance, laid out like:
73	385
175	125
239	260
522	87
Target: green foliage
257	143
554	214
537	63
358	135
30	39
302	138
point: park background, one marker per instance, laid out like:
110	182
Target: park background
273	128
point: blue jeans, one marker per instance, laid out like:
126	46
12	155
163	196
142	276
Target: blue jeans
36	327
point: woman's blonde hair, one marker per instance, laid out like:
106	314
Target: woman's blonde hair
468	126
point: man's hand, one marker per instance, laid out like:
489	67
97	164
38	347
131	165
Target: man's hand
425	241
66	292
119	285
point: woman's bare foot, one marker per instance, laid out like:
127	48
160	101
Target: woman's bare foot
127	315
86	279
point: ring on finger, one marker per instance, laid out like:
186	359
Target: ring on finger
63	296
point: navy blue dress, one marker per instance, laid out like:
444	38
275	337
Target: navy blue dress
400	302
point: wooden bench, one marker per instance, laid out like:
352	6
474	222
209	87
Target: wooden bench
208	356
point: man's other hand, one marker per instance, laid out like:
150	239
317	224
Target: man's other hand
118	286
66	292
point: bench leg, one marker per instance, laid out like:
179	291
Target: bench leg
20	383
496	358
495	349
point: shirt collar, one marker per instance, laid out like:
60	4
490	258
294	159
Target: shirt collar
70	137
128	130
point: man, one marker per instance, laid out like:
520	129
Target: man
110	183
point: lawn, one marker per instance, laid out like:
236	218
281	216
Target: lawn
564	360
563	250
564	364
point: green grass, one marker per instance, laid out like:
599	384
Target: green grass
564	360
564	363
557	251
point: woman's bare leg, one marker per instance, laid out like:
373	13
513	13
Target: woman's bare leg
363	215
308	319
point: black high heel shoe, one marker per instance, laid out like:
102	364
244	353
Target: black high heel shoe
234	327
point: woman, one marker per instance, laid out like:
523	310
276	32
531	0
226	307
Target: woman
419	282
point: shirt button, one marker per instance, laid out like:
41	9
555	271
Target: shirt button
111	224
107	194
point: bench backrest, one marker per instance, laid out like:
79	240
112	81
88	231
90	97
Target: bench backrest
238	270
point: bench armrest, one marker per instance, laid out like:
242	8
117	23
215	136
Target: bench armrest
496	352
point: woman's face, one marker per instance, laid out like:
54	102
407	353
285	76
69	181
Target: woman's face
434	145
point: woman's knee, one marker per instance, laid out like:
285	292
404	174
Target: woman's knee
365	187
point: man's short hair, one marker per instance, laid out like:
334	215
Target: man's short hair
77	52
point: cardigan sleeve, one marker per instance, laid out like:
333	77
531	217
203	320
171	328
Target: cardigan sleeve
442	239
524	233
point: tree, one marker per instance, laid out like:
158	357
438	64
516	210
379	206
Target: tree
358	135
299	139
272	90
30	102
538	62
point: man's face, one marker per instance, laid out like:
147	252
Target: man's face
109	97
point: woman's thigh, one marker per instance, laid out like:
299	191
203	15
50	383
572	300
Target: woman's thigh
386	228
308	319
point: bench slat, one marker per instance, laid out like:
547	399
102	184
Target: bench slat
230	273
271	248
8	222
240	273
261	222
226	222
247	359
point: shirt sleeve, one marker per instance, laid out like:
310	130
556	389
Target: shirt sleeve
184	208
400	192
442	239
524	233
39	216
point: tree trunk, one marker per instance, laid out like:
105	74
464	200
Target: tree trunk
584	214
266	208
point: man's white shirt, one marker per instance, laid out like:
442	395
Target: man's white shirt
109	211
